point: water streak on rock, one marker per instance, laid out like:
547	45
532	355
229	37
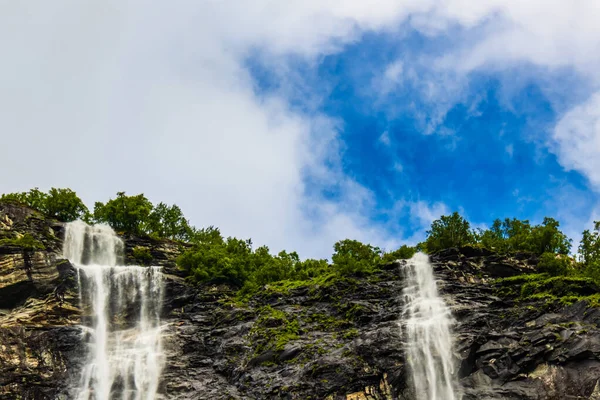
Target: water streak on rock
428	322
121	322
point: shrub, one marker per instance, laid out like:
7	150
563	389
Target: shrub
142	255
354	257
553	264
26	242
62	204
403	253
448	231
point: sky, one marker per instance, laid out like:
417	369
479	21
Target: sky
303	122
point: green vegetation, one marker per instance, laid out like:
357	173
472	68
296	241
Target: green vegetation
130	214
137	215
448	231
26	242
403	253
61	204
273	330
554	264
513	235
354	257
142	255
134	215
565	290
589	252
508	236
212	258
215	259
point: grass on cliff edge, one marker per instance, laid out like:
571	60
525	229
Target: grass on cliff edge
26	242
564	290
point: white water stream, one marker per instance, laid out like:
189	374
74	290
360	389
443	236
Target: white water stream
122	327
428	323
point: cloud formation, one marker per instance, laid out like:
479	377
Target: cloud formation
157	98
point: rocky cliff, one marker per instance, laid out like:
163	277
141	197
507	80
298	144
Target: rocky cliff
333	339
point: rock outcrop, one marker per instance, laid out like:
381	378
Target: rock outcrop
336	339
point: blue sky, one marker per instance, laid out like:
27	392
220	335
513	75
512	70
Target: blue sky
306	124
483	155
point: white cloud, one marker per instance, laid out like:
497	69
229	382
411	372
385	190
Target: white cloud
510	149
393	72
155	97
384	139
576	139
550	34
425	213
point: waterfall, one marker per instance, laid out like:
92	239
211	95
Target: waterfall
429	339
121	324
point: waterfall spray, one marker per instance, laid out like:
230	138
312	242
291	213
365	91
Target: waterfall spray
429	339
125	356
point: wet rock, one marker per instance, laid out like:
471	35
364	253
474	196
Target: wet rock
342	340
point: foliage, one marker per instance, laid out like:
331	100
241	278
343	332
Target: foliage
560	286
354	257
273	330
233	261
65	205
62	204
217	260
547	238
448	231
403	253
563	289
142	255
213	258
513	235
26	242
168	222
136	215
553	264
589	252
128	214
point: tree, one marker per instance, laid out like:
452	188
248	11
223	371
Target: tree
403	253
210	235
128	214
513	235
312	268
214	259
547	238
589	247
168	222
554	264
493	238
62	204
589	252
449	231
65	205
352	256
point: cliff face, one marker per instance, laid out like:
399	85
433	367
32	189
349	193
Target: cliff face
39	343
339	339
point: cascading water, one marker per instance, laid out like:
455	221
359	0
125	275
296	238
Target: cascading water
429	339
123	325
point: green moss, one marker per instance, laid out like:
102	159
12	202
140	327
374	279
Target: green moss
26	242
142	255
553	291
327	323
520	279
560	286
354	310
561	290
273	330
350	334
